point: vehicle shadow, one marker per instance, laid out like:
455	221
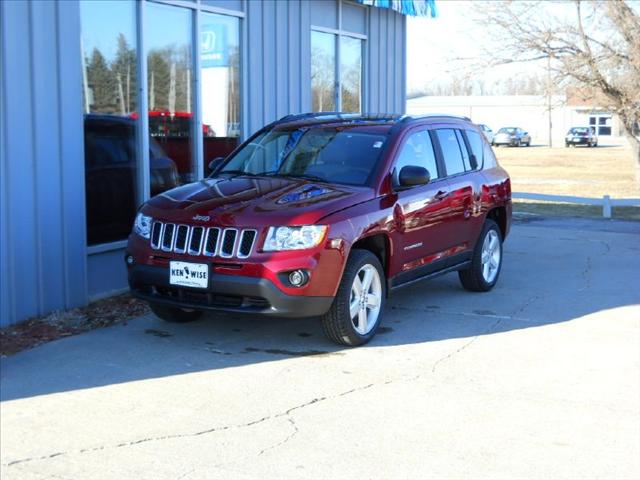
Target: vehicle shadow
549	276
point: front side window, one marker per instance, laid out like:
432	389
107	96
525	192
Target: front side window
451	150
417	151
345	155
109	80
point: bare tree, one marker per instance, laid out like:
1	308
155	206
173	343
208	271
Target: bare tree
595	45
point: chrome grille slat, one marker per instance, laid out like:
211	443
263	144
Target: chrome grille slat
168	237
155	239
228	243
211	242
199	240
245	246
197	233
182	236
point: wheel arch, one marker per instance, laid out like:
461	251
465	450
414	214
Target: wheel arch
499	215
380	245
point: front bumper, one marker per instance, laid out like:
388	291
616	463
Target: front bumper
229	293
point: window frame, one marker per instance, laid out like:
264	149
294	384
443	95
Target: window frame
338	33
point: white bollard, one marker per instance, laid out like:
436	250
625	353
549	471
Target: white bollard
606	206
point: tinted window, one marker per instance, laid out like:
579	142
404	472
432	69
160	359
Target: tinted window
465	153
326	154
477	145
418	150
451	151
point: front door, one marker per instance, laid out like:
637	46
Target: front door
421	213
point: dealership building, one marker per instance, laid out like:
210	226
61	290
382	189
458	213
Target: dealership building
106	103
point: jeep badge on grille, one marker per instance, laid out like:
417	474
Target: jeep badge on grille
201	218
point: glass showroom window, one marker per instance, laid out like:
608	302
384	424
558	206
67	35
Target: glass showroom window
323	72
220	85
327	80
351	74
168	34
109	103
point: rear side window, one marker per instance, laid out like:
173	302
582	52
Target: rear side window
451	150
477	146
418	150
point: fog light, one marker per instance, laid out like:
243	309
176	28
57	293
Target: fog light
129	260
297	278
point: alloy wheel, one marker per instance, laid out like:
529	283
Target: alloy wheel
365	299
491	256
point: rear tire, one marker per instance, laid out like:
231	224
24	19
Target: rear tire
357	308
486	262
174	314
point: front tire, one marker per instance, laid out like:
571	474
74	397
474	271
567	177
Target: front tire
175	314
486	262
357	308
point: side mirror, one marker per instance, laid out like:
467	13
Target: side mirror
412	175
215	163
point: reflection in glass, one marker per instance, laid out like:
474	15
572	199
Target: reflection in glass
109	103
220	80
323	68
351	74
169	76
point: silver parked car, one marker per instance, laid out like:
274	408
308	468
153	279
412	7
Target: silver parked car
513	136
488	133
581	136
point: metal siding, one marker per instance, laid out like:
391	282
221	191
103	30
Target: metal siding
20	168
46	148
43	240
5	294
72	152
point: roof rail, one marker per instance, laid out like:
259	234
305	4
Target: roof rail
301	116
432	115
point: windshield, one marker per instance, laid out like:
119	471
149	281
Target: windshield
509	130
579	130
331	154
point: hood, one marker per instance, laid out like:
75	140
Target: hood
254	201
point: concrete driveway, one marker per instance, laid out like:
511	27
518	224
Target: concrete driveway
538	379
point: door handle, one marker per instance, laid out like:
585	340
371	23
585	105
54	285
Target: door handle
441	195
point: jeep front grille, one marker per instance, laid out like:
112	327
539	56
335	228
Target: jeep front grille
196	240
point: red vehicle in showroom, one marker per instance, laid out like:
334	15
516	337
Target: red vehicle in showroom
324	215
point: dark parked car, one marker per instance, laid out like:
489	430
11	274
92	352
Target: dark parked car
110	171
512	136
581	136
325	215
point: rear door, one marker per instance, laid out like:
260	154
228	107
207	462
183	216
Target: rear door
421	213
459	165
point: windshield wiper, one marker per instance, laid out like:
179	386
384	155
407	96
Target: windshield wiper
305	176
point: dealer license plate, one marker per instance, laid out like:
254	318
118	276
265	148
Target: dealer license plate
188	274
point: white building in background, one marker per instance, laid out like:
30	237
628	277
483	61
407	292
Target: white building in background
530	112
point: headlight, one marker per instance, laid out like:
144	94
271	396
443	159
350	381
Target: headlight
294	238
142	225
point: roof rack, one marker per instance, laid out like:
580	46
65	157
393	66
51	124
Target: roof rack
302	116
432	115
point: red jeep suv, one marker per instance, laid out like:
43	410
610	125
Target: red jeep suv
324	215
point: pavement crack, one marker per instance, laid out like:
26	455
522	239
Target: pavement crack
159	438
